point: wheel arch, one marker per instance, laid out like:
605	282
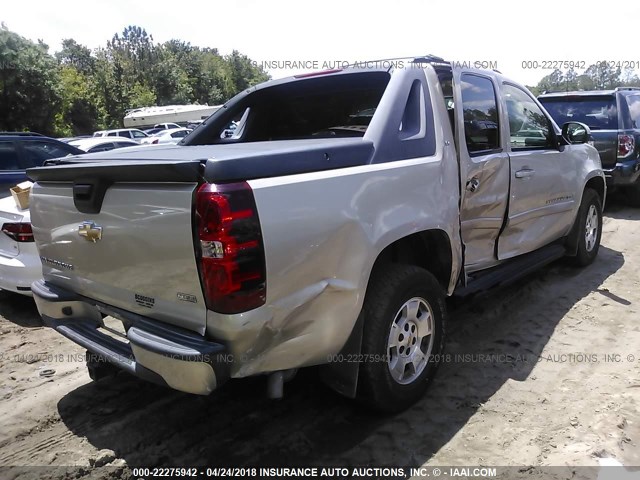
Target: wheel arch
428	249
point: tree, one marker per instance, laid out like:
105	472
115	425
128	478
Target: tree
604	75
77	56
29	84
80	110
81	90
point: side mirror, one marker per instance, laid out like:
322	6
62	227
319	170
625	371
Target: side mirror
575	133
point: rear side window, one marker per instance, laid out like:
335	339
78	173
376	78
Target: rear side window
8	156
180	134
124	134
480	113
598	112
137	134
101	148
37	152
634	109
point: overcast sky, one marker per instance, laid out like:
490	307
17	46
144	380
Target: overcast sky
348	31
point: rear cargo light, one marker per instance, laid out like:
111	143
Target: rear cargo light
231	256
317	74
626	145
20	232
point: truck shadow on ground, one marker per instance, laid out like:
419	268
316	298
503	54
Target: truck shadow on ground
148	425
19	309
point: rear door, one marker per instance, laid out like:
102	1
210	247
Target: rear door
484	167
10	171
542	196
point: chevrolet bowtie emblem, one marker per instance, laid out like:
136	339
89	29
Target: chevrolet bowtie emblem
90	231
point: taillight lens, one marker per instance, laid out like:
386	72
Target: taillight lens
626	145
20	232
232	264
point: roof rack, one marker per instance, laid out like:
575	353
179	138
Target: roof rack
22	134
429	59
626	88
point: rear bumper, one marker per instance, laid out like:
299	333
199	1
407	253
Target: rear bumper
151	350
625	173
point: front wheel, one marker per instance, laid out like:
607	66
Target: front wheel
403	337
589	229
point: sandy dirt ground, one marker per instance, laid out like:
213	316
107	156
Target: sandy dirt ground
543	372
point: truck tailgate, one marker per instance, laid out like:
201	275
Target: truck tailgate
135	253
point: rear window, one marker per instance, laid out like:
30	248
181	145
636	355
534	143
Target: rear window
326	106
598	112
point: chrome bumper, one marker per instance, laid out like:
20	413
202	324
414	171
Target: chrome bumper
154	351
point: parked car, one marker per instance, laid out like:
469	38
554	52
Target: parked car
166	126
70	139
160	127
102	144
20	264
295	244
132	133
173	135
614	119
22	150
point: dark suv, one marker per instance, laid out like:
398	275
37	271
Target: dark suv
614	119
22	150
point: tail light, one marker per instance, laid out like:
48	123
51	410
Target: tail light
626	145
20	232
231	257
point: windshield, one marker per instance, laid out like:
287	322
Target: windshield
598	112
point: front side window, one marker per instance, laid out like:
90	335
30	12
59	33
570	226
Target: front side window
138	134
480	113
528	125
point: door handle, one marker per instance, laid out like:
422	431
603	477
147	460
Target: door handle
525	172
473	184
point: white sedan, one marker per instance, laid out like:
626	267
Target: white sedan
172	135
102	144
19	260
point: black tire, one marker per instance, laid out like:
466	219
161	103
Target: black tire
389	289
586	253
632	195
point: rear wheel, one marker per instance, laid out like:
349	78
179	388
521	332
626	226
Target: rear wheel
403	337
589	229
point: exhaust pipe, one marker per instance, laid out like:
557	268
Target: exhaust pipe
276	380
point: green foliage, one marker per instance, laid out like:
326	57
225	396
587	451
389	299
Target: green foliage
29	84
598	76
78	90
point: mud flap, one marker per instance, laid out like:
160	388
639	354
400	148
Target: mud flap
341	374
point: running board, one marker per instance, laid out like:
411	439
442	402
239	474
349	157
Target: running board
511	271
